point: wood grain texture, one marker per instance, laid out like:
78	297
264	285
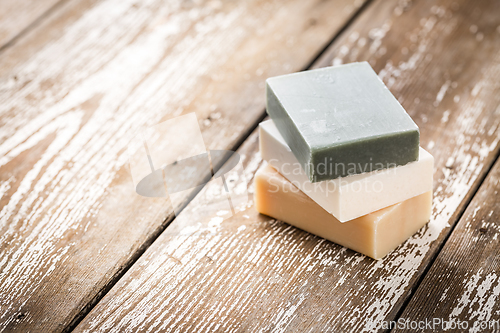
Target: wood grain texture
463	284
16	16
252	273
75	91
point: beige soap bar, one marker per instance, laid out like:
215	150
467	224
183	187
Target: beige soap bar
375	234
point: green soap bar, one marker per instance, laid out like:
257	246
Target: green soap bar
341	120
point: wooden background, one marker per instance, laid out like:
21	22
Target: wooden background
81	251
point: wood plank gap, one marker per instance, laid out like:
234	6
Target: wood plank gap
86	48
170	218
107	287
353	18
36	23
244	137
426	269
274	276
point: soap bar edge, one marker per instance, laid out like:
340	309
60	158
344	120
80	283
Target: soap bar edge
310	155
284	128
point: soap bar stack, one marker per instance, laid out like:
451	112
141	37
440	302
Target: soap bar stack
343	159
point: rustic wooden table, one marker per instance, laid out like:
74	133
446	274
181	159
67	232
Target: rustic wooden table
81	251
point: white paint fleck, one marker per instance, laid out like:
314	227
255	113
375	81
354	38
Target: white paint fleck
442	92
470	286
278	248
222	212
5	186
475	212
445	117
479	297
476	89
353	37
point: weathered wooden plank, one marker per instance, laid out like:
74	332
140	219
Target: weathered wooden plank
75	91
461	291
16	16
252	273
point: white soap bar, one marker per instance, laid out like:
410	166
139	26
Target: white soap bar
353	196
374	234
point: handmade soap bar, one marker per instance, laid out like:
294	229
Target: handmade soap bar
352	196
335	116
374	235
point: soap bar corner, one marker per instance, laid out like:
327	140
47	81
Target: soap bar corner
341	115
